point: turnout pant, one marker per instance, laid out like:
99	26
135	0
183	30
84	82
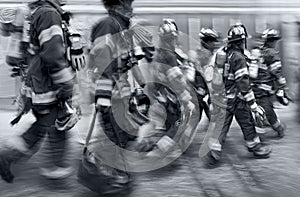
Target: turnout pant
57	139
221	119
111	127
243	115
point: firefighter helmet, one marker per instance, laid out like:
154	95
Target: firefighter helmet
236	33
208	34
271	34
109	3
168	28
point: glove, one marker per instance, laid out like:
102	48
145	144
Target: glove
75	52
283	97
16	71
67	116
24	106
260	114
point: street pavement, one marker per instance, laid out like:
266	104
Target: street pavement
238	174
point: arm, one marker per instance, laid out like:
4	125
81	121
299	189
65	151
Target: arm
241	77
273	62
100	58
52	52
177	79
104	57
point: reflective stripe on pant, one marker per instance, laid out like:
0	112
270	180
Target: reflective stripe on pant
44	124
267	104
243	115
221	120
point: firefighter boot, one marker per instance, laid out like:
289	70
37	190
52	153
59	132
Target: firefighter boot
212	158
261	150
6	159
5	172
280	130
165	147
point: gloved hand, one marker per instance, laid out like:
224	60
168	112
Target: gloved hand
75	51
24	105
16	71
283	97
260	114
66	116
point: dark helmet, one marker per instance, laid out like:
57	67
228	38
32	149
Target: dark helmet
208	34
139	104
270	34
109	3
168	28
236	33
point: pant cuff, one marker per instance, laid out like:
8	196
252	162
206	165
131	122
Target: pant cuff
252	143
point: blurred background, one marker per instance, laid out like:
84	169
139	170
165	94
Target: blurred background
190	16
239	174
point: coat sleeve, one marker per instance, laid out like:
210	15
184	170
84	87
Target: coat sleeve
100	58
273	62
104	58
176	78
241	77
52	51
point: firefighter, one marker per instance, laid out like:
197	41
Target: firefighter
171	96
208	40
49	86
110	38
167	67
116	50
239	101
268	79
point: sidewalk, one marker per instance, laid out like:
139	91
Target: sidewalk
239	174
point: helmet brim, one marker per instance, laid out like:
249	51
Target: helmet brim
237	39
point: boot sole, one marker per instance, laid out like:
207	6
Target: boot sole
261	156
